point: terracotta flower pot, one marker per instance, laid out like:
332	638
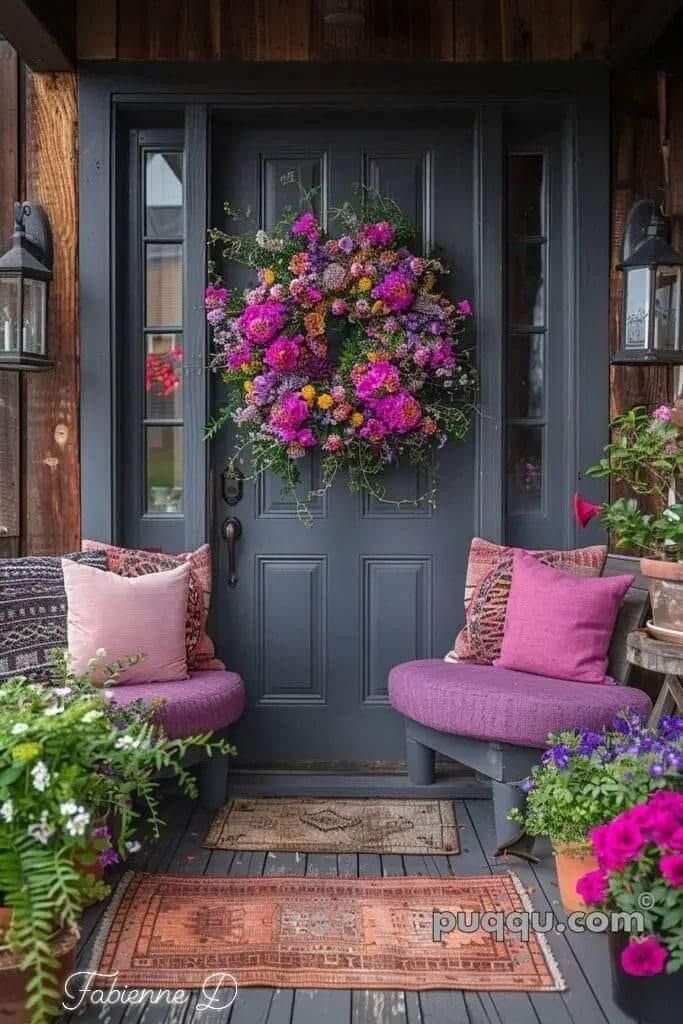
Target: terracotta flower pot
572	860
654	999
665	583
13	981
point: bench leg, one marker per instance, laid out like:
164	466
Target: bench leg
510	835
213	783
420	763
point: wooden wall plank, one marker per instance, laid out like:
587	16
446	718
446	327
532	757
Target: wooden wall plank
590	28
10	446
551	31
515	18
283	30
478	34
96	30
133	41
442	30
51	506
238	30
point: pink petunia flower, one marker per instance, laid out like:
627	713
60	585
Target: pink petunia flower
592	887
671	867
584	510
644	957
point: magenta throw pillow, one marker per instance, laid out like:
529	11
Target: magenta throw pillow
558	624
128	616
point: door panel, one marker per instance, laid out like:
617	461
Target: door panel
323	611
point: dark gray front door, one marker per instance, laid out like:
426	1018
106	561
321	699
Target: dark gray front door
322	612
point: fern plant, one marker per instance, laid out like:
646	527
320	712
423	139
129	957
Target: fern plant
69	759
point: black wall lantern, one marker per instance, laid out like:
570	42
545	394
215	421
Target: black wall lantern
25	274
651	320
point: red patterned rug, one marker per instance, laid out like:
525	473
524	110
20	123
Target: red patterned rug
172	931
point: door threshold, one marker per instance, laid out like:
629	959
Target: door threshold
251	784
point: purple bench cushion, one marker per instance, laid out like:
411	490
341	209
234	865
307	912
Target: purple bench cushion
499	704
205	701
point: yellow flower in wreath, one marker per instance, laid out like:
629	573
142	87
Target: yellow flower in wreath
268	276
325	401
308	392
357	419
365	284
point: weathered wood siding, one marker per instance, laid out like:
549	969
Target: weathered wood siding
39	451
460	30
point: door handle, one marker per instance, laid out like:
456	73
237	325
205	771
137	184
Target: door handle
231	531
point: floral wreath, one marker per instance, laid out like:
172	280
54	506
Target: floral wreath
400	385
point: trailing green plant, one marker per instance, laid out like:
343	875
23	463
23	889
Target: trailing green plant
646	455
70	759
586	778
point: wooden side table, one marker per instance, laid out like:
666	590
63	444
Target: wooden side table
667	660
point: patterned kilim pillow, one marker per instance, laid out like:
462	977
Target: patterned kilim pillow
134	562
33	611
487	588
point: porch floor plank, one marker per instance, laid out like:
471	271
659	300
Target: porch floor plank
582	959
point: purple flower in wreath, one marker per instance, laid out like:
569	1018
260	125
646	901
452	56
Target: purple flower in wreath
347	244
215	316
378	234
381	377
288	416
401	413
215	297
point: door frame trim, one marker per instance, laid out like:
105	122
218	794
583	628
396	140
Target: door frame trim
109	89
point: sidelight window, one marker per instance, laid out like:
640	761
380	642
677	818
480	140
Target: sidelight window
526	344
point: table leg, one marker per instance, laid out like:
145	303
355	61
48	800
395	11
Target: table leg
670	698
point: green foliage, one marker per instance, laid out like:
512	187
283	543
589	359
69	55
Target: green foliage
646	455
69	759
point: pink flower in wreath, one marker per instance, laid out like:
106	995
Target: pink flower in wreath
663	412
237	358
287	417
306	438
283	353
215	297
395	291
644	957
261	323
401	412
334	444
373	431
617	843
380	378
464	307
338	307
306	226
378	234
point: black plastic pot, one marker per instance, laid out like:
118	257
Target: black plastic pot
656	999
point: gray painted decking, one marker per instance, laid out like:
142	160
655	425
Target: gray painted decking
582	958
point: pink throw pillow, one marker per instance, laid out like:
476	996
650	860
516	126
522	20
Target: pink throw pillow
128	616
557	624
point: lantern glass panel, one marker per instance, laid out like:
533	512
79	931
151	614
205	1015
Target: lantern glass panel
667	307
637	313
10	313
35	311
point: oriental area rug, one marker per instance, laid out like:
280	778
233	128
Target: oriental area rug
336	826
172	931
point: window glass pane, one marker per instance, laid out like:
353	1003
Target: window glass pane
667	291
164	470
9	314
526	287
525	376
164	194
164	376
164	279
35	304
526	201
524	469
637	306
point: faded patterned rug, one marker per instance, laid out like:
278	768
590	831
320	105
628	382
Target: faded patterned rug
174	931
336	826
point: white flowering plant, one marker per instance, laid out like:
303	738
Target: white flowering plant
71	760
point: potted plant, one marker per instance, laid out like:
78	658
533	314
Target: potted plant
646	455
640	872
585	778
69	762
